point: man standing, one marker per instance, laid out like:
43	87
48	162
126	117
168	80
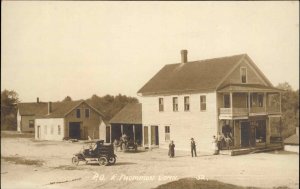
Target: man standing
171	149
193	147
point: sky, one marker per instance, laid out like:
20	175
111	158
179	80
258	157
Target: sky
56	49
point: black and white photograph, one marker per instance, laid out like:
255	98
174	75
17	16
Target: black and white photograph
150	94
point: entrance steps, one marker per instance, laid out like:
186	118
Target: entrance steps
257	149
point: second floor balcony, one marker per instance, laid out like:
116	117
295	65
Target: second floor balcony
248	103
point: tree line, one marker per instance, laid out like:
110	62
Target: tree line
109	105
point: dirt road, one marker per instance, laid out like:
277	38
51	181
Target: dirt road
30	164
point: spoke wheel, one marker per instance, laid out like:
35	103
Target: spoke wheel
75	160
103	161
112	160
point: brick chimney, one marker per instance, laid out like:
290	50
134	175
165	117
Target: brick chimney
37	100
184	58
49	107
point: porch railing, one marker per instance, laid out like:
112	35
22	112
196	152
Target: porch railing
245	111
257	110
234	111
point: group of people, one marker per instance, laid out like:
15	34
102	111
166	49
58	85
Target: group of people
171	152
217	144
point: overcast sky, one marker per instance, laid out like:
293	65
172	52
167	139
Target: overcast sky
54	49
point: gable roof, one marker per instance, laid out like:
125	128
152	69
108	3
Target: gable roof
191	76
130	114
59	109
32	108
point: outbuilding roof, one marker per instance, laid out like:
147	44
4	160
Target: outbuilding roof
292	140
59	109
32	108
191	76
130	114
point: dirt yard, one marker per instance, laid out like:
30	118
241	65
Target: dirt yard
26	163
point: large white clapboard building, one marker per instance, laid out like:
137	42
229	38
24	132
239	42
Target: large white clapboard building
199	99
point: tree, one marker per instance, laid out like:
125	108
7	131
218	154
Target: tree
9	100
67	99
289	108
110	105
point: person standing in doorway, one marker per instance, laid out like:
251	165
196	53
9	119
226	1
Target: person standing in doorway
171	149
193	148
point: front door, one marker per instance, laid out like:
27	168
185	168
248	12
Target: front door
245	134
39	132
154	135
74	130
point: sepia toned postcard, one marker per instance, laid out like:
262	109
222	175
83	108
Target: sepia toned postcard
149	94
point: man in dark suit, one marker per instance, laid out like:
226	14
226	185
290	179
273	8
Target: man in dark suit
193	148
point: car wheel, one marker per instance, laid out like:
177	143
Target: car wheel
112	160
75	160
102	161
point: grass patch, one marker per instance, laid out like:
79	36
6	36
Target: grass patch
23	161
192	183
15	134
68	167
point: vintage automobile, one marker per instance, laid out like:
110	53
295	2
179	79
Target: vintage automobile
127	144
96	151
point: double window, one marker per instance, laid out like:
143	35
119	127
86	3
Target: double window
87	113
31	123
203	103
175	104
52	129
78	113
167	133
58	130
161	104
244	75
186	103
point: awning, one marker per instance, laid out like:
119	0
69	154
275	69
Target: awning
248	88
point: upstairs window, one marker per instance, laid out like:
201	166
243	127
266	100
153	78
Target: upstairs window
161	104
167	133
45	131
78	113
175	104
186	103
31	123
203	103
226	101
87	113
244	75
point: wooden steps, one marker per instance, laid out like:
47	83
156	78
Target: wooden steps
270	147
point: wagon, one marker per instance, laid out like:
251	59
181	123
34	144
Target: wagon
96	152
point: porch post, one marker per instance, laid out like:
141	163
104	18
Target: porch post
265	101
231	103
280	101
143	138
249	105
109	134
122	129
133	127
149	136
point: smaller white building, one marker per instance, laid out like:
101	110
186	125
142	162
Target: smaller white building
70	120
291	144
